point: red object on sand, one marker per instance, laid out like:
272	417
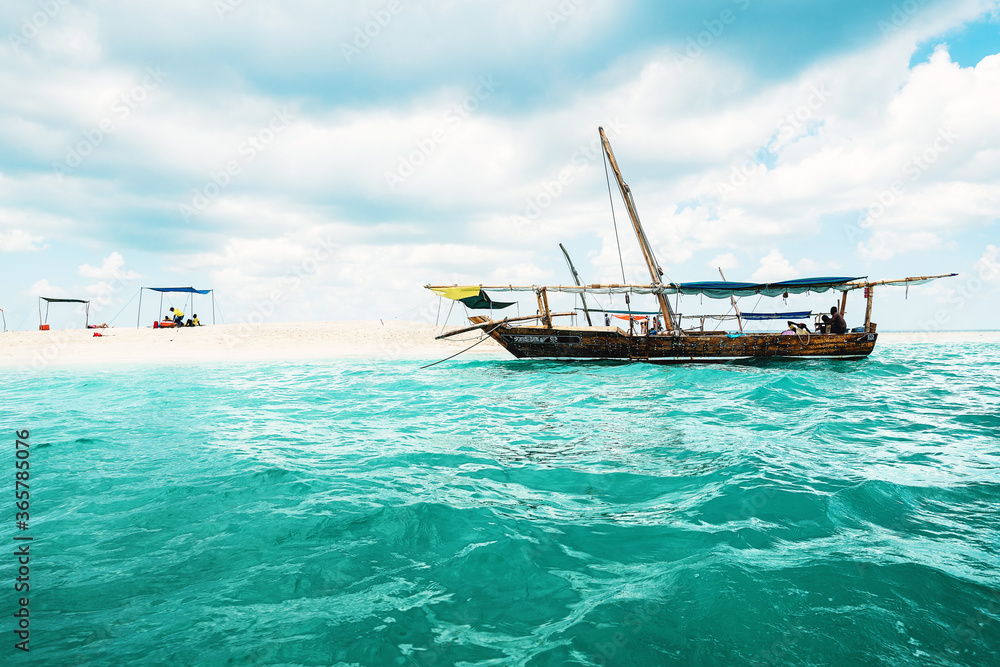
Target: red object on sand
98	334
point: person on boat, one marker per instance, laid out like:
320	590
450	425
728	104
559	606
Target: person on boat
607	320
838	325
178	316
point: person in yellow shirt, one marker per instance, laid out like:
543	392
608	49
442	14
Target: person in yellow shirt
178	316
193	322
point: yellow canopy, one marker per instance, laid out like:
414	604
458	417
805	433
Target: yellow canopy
457	293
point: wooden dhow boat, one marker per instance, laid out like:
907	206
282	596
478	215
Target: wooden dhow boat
539	337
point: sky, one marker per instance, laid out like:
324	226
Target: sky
324	161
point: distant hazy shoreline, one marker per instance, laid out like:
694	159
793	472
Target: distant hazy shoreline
289	341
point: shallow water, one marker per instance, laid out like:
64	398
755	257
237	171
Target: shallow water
514	512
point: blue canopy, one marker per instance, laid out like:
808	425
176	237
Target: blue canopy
188	290
183	290
797	315
726	289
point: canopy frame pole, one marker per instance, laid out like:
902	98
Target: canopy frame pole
843	304
86	316
213	307
138	313
161	306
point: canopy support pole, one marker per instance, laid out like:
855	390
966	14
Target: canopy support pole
161	306
213	307
739	317
543	307
843	303
139	312
869	295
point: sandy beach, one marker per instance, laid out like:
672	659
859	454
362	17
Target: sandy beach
235	342
288	341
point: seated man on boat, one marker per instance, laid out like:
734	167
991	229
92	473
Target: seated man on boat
838	325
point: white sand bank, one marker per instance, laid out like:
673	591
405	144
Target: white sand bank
234	342
292	341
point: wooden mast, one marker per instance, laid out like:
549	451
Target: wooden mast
576	277
654	269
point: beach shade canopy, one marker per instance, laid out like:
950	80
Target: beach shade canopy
473	297
49	300
182	290
726	289
186	290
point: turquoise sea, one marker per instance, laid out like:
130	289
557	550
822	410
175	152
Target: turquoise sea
507	512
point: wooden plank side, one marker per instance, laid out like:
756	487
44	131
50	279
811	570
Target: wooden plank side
565	343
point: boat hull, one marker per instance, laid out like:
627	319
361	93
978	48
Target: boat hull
537	342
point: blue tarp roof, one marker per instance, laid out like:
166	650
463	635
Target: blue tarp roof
726	289
189	290
798	315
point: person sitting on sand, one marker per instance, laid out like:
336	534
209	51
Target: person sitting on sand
838	325
178	316
195	322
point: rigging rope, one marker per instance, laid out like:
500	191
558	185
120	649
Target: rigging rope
611	198
124	307
445	325
621	262
486	337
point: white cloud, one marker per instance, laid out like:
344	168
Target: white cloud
724	261
988	265
774	268
44	288
19	241
111	267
